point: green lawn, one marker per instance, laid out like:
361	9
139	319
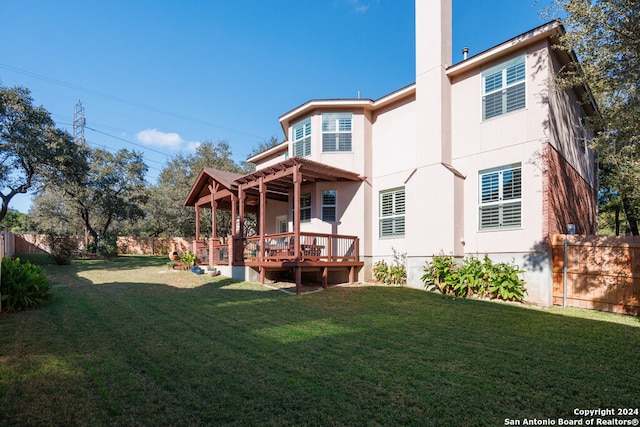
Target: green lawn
128	342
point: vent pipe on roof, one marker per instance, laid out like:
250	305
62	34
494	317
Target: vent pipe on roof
465	53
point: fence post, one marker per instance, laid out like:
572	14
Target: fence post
564	273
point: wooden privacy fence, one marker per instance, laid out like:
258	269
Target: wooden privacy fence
37	243
597	272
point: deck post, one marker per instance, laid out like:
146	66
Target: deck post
298	279
325	277
352	271
262	274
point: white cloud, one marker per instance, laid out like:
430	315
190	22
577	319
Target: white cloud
156	138
359	6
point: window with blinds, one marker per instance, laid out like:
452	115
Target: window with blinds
336	132
302	138
329	205
501	198
392	213
305	207
503	88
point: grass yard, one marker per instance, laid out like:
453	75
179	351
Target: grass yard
128	342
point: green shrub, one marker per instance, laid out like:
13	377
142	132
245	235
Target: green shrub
441	273
506	282
108	245
62	248
395	274
24	285
474	277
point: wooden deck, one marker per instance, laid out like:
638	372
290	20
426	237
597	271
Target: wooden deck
312	252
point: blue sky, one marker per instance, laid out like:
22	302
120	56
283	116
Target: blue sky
160	76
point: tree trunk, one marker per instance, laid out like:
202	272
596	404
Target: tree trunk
631	217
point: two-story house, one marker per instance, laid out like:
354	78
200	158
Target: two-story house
479	157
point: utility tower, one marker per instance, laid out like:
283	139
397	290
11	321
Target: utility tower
79	122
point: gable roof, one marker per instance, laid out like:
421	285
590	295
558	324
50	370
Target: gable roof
199	187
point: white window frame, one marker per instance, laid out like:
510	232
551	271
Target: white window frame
337	132
329	211
301	138
504	88
305	211
500	198
282	222
392	213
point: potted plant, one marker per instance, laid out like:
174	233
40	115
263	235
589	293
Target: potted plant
188	259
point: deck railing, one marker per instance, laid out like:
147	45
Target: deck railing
279	247
312	246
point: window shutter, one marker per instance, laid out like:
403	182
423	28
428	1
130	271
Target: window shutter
329	205
392	213
302	138
504	88
500	198
336	132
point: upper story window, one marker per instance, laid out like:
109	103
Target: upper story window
336	132
503	88
501	197
302	138
392	212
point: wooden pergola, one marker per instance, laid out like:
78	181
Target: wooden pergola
241	194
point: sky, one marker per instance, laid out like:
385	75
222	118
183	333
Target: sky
160	76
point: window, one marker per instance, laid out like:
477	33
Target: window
336	132
503	88
392	210
302	138
501	198
281	224
305	207
329	205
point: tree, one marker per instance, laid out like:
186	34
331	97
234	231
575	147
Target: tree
13	221
53	212
605	37
31	148
111	189
265	145
174	184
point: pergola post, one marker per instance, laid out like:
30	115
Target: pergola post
214	220
242	197
297	179
262	218
234	215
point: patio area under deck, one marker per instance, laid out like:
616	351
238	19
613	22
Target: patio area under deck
295	250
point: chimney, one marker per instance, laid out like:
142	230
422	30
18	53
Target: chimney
433	91
465	53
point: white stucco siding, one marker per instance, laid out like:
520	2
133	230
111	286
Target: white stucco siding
528	236
353	160
512	138
394	140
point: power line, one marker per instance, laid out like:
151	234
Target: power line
125	101
129	142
